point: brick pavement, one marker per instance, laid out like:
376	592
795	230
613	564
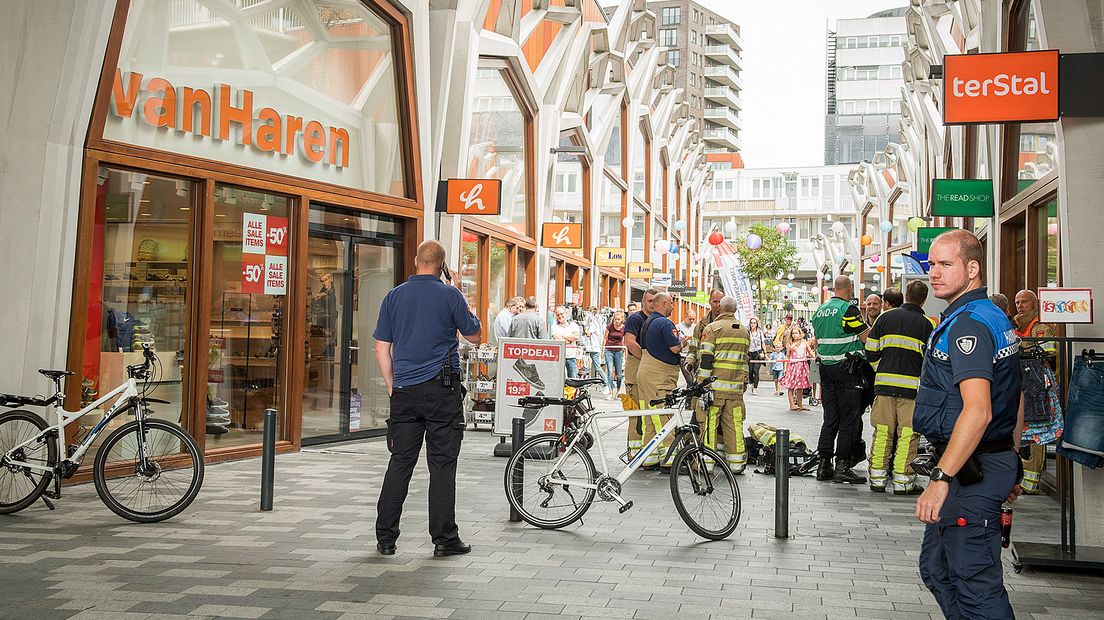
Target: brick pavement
851	553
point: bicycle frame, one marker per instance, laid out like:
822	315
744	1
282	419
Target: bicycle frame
127	394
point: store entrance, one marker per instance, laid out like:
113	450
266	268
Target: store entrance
352	262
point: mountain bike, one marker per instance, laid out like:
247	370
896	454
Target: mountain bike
551	481
156	468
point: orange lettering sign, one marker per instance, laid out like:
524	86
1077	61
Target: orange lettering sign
562	235
227	114
997	88
473	196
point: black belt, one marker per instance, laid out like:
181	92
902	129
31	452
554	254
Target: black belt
985	447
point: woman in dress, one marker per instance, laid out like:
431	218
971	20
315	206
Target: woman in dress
796	378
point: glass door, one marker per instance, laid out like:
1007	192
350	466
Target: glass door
352	262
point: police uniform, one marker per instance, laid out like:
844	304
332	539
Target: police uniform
1035	464
657	376
633	323
420	318
838	325
960	556
723	354
895	345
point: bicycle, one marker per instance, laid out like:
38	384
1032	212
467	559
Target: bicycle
161	464
546	469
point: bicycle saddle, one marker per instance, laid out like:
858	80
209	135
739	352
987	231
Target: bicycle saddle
577	383
55	374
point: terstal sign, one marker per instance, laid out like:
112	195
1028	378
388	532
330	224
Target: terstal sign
997	88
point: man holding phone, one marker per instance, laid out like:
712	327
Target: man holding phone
416	348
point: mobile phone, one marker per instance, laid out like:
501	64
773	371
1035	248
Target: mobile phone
445	272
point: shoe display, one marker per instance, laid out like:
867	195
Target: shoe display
453	548
214	429
529	373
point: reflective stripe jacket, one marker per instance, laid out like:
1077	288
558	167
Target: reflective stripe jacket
1034	329
693	344
896	344
723	354
833	340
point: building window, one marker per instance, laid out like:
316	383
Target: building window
668	37
674	58
497	145
672	16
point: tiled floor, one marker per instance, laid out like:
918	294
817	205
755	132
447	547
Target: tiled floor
851	553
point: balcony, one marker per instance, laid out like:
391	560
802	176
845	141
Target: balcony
725	75
723	115
726	34
724	54
724	95
723	136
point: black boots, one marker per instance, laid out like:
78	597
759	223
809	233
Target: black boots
844	475
825	471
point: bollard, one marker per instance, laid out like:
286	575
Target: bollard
518	438
782	483
268	459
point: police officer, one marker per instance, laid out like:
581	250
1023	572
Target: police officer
840	333
416	350
724	355
659	368
969	406
895	346
633	323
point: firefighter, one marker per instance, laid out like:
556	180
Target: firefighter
633	323
659	369
895	344
1028	326
722	353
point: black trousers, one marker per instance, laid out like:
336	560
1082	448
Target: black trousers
433	412
753	368
842	396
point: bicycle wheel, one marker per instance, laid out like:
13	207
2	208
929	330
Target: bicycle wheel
705	492
20	486
529	486
164	487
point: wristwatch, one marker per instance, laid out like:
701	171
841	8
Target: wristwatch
937	475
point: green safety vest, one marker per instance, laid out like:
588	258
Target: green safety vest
833	343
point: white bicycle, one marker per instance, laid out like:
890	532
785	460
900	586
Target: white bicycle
552	481
147	470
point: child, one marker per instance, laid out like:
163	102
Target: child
776	366
796	379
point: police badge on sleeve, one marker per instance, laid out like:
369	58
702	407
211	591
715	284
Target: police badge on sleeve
966	344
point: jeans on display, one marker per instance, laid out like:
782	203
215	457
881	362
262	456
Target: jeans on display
615	361
572	368
596	364
1083	438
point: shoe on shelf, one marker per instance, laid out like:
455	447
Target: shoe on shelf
214	429
217	402
385	549
445	550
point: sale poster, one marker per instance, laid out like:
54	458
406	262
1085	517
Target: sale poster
264	254
529	367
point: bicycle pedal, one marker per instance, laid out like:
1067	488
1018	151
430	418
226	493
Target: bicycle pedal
625	508
68	468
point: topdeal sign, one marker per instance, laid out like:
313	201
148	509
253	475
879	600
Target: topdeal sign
997	88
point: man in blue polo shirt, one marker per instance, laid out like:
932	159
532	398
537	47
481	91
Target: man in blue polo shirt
416	348
659	368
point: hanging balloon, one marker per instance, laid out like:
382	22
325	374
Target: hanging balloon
628	222
1052	229
753	241
880	268
790	285
915	223
661	246
789	276
680	225
716	238
673	248
674	257
866	240
875	258
886	226
825	289
783	228
730	227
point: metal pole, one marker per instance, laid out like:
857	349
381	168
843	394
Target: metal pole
518	438
782	483
268	459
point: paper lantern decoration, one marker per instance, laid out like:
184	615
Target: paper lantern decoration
753	241
866	240
628	222
661	246
880	268
825	288
674	257
875	258
915	223
680	225
861	286
730	227
783	228
716	238
886	226
789	276
790	285
1052	229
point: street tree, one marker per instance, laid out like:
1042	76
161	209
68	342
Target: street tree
776	255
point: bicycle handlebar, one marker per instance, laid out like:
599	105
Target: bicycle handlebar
689	391
141	371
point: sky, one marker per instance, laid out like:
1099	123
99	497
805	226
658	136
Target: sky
784	40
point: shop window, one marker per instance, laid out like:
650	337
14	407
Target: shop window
138	286
610	209
1050	260
639	163
308	89
613	147
470	267
246	355
496	296
523	260
498	144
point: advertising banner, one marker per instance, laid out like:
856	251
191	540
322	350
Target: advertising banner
529	367
562	236
962	197
999	88
661	279
610	257
1065	305
640	271
734	281
264	254
926	234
